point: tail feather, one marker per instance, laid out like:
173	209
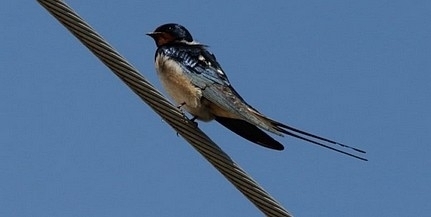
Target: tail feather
317	140
250	132
253	133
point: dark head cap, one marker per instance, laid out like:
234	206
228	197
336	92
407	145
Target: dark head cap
169	33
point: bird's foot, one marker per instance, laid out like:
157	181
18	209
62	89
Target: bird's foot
193	121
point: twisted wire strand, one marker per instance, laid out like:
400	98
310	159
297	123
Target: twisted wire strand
129	75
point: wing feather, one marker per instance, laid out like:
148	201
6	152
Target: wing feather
206	73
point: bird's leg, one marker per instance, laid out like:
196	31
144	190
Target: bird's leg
181	105
193	119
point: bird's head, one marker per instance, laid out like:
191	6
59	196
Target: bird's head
170	32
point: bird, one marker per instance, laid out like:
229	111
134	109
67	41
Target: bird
195	80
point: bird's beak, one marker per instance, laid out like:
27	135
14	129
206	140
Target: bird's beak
153	34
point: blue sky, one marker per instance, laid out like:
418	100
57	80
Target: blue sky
75	141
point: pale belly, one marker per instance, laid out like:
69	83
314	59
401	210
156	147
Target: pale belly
181	90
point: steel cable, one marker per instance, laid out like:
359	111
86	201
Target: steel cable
188	130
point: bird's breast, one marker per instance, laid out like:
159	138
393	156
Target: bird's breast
180	88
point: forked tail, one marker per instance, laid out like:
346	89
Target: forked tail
317	140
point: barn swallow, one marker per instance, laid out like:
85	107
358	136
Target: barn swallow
195	80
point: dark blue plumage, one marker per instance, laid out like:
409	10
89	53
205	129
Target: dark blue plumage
195	80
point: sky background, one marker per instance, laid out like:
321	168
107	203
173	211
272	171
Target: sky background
75	141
